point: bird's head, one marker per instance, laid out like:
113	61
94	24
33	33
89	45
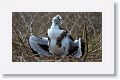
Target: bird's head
57	20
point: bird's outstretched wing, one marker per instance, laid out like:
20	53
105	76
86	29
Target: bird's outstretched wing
39	45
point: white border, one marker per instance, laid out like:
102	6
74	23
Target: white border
104	67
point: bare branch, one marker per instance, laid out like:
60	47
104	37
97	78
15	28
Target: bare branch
86	41
19	37
29	26
46	15
74	24
90	23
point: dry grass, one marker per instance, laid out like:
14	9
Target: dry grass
41	21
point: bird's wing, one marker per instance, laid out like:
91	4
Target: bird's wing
75	48
39	45
78	54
